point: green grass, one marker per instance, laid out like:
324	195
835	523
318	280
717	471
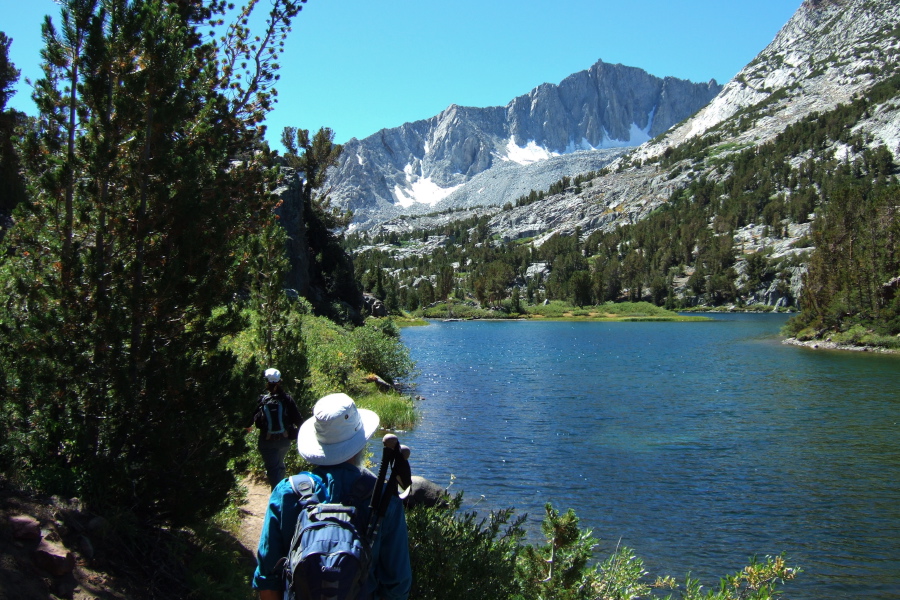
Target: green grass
454	310
557	310
610	311
214	567
397	412
859	335
407	320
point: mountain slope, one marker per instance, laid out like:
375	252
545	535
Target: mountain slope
413	167
829	52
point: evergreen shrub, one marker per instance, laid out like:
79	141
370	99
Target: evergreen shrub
457	555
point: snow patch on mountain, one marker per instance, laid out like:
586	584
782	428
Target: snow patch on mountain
421	190
607	107
636	137
531	153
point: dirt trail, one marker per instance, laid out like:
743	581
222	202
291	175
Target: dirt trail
253	512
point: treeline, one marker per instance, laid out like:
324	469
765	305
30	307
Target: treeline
854	275
793	179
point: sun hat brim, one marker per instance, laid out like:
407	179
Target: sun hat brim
334	454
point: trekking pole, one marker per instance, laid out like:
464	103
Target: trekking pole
388	454
400	475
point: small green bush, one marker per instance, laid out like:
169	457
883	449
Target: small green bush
859	335
852	337
554	309
330	354
377	349
560	568
459	556
454	310
635	309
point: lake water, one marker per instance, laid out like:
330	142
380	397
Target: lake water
696	444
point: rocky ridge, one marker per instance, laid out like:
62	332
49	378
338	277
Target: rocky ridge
431	164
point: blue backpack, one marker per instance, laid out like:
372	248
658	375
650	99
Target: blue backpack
271	414
329	555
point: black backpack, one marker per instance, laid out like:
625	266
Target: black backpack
329	555
270	416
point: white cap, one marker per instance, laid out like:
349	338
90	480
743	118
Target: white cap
272	375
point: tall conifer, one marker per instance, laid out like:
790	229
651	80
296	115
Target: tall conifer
146	182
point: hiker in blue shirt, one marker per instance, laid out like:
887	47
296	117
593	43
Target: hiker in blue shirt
277	418
334	439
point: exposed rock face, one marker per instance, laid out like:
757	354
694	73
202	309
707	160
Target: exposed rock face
54	558
25	527
413	168
291	217
507	181
826	54
373	306
605	106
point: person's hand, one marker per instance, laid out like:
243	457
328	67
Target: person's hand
248	429
270	595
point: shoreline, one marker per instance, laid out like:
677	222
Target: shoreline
586	319
826	345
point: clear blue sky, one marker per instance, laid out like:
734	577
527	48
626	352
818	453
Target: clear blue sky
358	66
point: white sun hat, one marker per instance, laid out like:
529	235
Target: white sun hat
336	432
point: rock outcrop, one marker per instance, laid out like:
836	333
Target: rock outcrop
291	216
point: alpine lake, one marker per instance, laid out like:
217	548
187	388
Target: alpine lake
696	444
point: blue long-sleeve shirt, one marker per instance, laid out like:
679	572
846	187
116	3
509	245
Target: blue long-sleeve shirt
390	574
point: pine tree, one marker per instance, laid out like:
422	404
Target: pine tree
559	570
146	183
11	186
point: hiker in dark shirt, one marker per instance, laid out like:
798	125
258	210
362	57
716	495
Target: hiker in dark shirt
278	420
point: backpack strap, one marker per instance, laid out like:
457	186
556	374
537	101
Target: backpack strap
303	485
305	488
358	497
362	488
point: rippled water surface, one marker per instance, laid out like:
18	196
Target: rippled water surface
696	444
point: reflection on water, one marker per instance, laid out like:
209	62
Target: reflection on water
697	444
